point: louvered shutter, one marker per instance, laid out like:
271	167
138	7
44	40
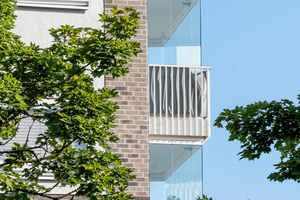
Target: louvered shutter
23	133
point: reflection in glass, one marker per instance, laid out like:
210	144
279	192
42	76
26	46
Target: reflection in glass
174	32
175	170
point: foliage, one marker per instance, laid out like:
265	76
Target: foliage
264	126
30	76
173	197
204	198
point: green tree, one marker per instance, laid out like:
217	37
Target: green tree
265	126
204	198
54	86
173	197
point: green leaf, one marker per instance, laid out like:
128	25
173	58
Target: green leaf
9	182
265	126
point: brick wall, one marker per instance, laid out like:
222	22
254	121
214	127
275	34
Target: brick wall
132	117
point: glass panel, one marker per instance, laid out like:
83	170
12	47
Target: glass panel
175	171
174	32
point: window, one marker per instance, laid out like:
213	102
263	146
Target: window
62	4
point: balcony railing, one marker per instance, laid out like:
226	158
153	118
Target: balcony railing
179	103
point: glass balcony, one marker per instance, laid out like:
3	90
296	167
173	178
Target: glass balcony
179	86
179	98
175	172
174	32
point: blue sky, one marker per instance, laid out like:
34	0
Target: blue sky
253	47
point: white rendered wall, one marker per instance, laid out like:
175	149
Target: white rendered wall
33	23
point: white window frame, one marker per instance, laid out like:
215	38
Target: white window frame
60	4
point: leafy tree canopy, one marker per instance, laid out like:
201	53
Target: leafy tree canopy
54	86
264	126
204	198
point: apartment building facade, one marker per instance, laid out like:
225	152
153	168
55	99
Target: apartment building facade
164	115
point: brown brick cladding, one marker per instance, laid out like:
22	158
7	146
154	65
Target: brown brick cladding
132	117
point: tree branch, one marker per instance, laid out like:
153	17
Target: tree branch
68	78
36	160
54	186
30	127
10	139
69	193
19	150
36	193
